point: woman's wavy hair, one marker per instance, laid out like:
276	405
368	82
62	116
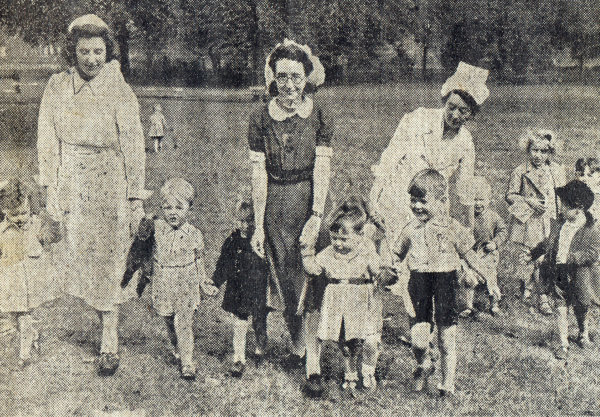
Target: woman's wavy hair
87	32
293	53
468	98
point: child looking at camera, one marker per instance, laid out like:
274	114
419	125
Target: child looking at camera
588	171
178	269
533	204
349	310
433	244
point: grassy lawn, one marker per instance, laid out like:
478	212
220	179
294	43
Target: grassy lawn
505	365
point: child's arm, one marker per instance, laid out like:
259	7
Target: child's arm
309	260
402	246
588	255
500	234
206	285
225	264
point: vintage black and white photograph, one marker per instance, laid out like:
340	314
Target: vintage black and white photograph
299	208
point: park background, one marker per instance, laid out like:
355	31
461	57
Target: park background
197	59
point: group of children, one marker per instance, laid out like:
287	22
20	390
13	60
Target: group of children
550	218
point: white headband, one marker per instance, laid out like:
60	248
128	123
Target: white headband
88	19
317	75
469	79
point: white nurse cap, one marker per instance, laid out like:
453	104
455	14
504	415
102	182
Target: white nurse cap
88	19
469	79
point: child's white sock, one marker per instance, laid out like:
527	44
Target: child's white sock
447	346
240	329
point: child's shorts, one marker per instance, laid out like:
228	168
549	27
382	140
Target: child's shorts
423	287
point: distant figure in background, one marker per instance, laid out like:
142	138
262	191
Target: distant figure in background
533	204
92	164
158	125
246	275
27	274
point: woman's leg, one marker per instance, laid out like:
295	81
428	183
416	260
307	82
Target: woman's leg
110	333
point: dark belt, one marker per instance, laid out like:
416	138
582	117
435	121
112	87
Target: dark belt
353	281
290	176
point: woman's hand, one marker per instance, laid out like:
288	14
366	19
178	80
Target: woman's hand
310	232
490	247
525	257
258	241
208	287
536	204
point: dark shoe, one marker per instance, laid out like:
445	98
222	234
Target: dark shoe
108	364
313	386
293	362
561	353
188	372
466	313
421	376
545	308
584	343
237	369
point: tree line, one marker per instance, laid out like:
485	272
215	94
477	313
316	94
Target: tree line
507	36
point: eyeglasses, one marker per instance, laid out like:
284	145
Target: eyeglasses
282	78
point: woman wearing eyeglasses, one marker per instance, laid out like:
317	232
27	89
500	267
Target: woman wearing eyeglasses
290	150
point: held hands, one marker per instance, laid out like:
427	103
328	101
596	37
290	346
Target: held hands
258	241
208	287
494	291
537	204
310	233
490	247
525	257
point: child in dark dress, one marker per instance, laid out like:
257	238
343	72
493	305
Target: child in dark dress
246	275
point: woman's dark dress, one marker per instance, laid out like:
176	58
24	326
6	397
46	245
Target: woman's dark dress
289	147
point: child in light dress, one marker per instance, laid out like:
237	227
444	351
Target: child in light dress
178	272
489	231
246	275
533	203
571	262
27	273
433	244
158	125
350	313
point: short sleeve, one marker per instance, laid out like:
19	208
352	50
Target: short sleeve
256	132
199	241
325	128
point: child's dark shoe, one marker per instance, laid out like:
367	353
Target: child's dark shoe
293	361
584	342
237	369
314	386
108	363
561	353
188	372
421	376
545	308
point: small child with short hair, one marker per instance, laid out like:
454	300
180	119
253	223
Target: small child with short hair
178	269
572	262
588	171
246	275
433	244
533	203
27	273
489	231
349	309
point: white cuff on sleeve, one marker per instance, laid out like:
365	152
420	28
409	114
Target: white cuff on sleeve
324	151
257	157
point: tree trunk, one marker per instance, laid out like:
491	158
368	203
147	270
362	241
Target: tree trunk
424	59
122	38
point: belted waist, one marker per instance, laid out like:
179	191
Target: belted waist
78	149
289	176
353	281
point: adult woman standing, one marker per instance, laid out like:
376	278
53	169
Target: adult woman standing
431	138
290	150
92	164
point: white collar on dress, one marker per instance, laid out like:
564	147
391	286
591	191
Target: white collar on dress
277	113
97	83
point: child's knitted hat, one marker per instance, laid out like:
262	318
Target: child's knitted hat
576	194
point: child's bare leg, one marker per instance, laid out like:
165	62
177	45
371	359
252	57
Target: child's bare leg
185	338
563	326
420	335
351	351
447	346
240	330
370	355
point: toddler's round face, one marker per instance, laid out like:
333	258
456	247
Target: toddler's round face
245	225
539	153
592	179
18	215
175	211
346	239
